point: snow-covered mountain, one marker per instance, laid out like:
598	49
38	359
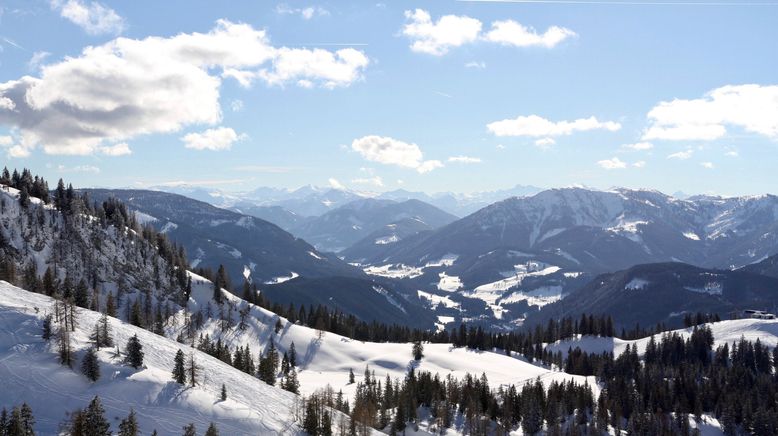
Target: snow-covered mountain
664	293
31	371
548	244
344	226
310	201
214	236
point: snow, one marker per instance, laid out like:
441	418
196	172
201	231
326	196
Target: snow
387	240
389	298
144	218
315	256
522	271
282	279
712	288
395	271
691	235
636	284
449	283
439	300
447	260
537	297
326	359
168	227
30	370
724	332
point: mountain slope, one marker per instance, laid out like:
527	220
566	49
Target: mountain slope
664	292
29	369
342	227
580	232
214	236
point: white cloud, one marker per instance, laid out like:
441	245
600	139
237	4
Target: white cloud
374	181
18	151
95	18
6	141
639	146
500	147
236	105
429	165
438	37
510	32
37	59
477	65
217	139
335	184
121	149
707	165
450	31
535	126
305	13
79	169
612	164
681	155
390	151
639	164
732	153
464	159
129	87
544	142
310	66
754	108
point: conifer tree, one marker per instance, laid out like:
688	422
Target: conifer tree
179	371
351	376
90	366
129	425
290	382
292	355
94	420
193	370
418	350
110	305
47	328
224	392
212	430
189	430
134	352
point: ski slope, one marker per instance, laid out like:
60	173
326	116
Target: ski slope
30	371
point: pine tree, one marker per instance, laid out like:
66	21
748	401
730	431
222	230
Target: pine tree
47	328
418	350
94	419
189	430
179	371
101	334
224	392
90	366
212	430
293	355
110	305
65	353
351	376
129	425
134	352
291	383
27	421
193	370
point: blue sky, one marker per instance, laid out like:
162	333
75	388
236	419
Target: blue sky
424	95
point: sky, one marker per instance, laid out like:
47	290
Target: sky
427	96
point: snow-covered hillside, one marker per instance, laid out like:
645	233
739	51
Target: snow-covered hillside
326	359
724	332
30	372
